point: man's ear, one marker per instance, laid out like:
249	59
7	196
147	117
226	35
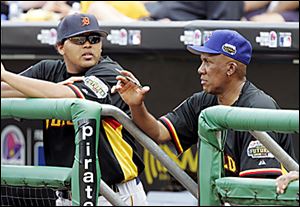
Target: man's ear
60	48
232	67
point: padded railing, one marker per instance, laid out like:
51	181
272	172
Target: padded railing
212	126
83	113
80	111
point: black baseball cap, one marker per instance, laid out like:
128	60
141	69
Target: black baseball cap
76	24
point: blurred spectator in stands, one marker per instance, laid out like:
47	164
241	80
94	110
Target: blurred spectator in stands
117	11
195	10
41	10
271	11
4	10
61	7
164	10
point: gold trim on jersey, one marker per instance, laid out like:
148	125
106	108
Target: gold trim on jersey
229	164
283	170
173	134
121	149
57	123
260	171
77	91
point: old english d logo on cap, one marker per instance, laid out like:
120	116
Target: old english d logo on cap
85	21
76	24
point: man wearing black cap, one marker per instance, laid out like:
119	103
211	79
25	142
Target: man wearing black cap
79	42
225	57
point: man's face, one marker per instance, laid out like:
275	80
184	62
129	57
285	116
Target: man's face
81	52
212	73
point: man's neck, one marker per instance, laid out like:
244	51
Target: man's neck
230	96
75	70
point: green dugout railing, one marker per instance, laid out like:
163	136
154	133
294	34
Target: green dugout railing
36	176
83	112
85	175
214	188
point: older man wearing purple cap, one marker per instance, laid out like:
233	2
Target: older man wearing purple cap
89	76
224	57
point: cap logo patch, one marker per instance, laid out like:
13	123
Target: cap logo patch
85	21
228	48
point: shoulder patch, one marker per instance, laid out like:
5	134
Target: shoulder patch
96	85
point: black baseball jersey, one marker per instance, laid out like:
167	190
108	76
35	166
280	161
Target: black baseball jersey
118	156
244	154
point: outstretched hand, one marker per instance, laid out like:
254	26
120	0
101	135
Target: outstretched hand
130	89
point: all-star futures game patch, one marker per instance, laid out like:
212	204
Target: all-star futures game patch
228	48
256	150
97	86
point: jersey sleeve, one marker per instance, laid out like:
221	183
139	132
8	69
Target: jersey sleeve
98	81
92	88
35	71
182	125
48	70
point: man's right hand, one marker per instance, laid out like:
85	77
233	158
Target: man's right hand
133	95
129	89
